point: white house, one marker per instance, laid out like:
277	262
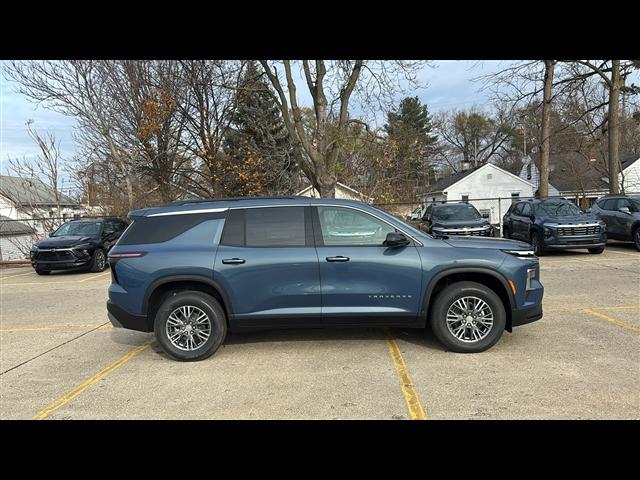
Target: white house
342	191
16	239
630	176
482	187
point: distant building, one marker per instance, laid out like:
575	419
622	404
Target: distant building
481	186
630	176
342	192
29	199
16	239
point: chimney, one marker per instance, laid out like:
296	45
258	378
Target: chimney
465	166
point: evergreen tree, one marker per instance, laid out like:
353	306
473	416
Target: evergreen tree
258	145
409	129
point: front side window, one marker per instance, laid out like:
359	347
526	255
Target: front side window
345	226
275	227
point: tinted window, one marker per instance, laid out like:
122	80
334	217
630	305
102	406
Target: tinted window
275	227
625	202
608	204
526	209
162	228
110	227
345	226
517	210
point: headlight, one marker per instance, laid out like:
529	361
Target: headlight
603	226
486	227
547	232
34	248
521	253
84	246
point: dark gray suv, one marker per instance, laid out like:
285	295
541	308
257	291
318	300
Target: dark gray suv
622	216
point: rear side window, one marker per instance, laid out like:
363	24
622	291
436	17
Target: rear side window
162	228
526	209
517	210
266	227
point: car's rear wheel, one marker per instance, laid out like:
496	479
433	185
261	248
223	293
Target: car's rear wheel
99	261
468	317
536	243
43	272
596	251
190	325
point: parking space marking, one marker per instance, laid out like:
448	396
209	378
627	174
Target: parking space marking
67	282
612	320
582	307
45	412
410	395
14	276
54	327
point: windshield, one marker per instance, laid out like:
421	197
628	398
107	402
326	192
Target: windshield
85	229
557	209
456	212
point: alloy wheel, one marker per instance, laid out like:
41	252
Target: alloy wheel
188	328
469	319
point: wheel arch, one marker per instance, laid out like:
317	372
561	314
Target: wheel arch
158	289
485	276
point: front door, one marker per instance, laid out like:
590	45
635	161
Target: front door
268	266
364	282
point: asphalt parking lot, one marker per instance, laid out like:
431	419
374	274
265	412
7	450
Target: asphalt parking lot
60	359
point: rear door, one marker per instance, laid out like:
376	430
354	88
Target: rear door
516	222
607	213
268	266
364	282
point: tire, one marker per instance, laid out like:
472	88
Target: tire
536	243
43	272
173	311
636	238
596	251
445	304
99	261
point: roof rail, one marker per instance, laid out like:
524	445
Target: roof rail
227	199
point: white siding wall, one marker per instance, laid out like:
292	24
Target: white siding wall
535	178
632	178
490	182
16	247
341	193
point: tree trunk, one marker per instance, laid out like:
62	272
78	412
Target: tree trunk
545	140
613	119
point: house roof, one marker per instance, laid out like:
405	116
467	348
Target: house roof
10	227
628	160
446	182
27	192
571	172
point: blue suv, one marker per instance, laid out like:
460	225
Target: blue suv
191	271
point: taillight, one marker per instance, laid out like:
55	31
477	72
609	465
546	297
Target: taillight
126	255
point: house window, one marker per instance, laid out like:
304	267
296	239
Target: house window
489	176
465	198
529	171
515	197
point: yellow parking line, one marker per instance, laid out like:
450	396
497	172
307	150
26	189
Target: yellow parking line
45	412
410	395
635	255
581	307
53	327
55	283
14	276
612	320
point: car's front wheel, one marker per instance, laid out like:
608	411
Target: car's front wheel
536	243
596	251
99	261
468	317
190	325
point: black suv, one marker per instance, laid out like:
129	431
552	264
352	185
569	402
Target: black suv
622	216
554	224
77	244
446	219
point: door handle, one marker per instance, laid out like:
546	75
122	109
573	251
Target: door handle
339	258
233	261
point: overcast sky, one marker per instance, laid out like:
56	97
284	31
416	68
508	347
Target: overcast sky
449	86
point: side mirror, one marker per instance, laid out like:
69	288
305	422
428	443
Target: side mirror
625	210
395	239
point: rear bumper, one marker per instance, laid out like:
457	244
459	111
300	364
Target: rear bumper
120	318
523	316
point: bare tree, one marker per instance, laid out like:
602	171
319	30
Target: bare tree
331	85
546	130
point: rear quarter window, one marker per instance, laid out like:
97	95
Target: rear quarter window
162	228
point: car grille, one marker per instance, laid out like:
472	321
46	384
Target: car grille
573	231
59	256
475	233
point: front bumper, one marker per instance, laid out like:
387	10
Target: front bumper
585	243
522	316
60	265
120	318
